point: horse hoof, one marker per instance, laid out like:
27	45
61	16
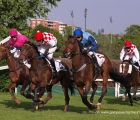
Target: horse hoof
123	98
99	106
36	107
17	101
66	108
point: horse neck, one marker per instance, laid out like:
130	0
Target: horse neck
38	62
77	59
11	61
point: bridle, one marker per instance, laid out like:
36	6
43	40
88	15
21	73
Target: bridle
71	49
76	53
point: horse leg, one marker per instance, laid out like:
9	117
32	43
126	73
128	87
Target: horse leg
104	90
29	91
124	96
94	87
135	91
36	100
129	95
25	84
49	96
10	88
65	90
84	96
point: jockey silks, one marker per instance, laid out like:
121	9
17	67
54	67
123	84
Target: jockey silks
133	53
89	40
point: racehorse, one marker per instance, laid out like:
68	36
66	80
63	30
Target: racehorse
19	74
132	73
83	72
41	75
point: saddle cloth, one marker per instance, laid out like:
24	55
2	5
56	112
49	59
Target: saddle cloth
59	66
100	58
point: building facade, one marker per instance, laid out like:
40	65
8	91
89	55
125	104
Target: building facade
57	25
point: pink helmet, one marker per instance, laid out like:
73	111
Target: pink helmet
13	32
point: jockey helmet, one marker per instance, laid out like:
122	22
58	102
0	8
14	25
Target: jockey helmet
127	43
78	32
13	32
38	36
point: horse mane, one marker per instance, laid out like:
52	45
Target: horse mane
70	36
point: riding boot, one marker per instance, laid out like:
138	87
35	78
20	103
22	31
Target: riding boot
53	67
97	67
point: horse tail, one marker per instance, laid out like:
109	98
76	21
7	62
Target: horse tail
117	77
72	86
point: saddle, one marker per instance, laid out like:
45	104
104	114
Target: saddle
100	58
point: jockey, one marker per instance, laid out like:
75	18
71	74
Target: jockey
46	41
88	45
16	42
130	51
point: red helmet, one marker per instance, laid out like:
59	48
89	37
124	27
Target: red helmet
127	43
38	36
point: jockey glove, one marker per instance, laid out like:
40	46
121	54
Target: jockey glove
85	50
132	63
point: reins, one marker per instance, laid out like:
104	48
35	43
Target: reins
77	53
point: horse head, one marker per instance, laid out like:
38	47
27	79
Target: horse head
27	52
4	51
126	67
71	47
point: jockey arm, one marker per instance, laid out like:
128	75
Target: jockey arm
93	43
136	52
122	53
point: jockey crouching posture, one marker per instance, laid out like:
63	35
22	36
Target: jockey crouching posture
16	42
130	51
88	45
46	41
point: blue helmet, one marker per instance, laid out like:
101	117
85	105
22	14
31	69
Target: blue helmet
78	32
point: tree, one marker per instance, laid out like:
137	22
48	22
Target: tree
14	13
67	31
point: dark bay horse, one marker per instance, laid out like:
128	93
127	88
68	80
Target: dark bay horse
83	72
19	74
41	75
132	73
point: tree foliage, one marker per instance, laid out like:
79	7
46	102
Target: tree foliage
14	13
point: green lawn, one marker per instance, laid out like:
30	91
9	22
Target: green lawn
112	109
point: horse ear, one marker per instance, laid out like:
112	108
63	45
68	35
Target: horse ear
28	42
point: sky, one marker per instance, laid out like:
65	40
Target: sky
124	13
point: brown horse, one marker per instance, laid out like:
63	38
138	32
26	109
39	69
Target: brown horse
41	75
83	72
19	74
131	72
